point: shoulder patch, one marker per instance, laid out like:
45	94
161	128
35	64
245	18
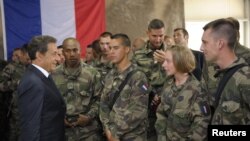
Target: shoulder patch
204	107
144	87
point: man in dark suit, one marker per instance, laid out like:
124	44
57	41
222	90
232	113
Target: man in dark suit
41	106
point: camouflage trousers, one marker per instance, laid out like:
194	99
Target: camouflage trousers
141	137
75	134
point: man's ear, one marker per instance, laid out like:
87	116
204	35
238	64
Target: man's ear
128	49
39	56
221	43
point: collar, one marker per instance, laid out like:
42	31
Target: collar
45	73
238	61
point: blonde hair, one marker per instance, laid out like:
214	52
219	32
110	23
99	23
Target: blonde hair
183	58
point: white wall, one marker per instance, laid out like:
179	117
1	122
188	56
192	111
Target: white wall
200	12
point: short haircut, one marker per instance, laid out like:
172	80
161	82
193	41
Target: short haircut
65	41
156	24
39	44
106	34
183	58
96	48
223	28
183	30
124	38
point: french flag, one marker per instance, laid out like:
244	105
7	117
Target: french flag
23	19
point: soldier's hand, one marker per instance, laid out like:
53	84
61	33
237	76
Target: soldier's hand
159	56
67	124
82	120
109	136
156	100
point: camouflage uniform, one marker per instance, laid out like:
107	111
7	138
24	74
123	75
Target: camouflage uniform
153	70
234	104
103	68
156	75
209	79
10	78
183	113
243	52
210	82
127	119
79	89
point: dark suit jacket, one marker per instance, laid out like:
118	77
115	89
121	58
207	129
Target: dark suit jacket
199	63
42	108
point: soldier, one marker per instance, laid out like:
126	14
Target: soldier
78	84
231	100
124	101
240	51
60	54
150	59
15	55
10	78
104	41
102	62
169	41
138	43
89	58
183	113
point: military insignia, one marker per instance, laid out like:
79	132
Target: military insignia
204	107
144	87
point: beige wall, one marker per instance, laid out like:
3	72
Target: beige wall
132	16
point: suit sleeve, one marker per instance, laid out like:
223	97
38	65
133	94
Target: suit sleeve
31	97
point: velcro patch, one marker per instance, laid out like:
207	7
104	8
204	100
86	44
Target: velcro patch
144	87
204	107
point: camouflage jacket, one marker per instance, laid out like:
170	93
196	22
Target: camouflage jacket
234	104
79	88
128	116
153	70
210	81
10	76
243	52
183	113
102	68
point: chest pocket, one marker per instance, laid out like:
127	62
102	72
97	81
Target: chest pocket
181	118
77	95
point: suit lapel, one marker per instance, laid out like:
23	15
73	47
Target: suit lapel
49	83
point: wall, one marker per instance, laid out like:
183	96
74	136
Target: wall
132	16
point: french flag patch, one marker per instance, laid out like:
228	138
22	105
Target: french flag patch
144	87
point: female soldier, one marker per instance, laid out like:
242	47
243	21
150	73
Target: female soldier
183	113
